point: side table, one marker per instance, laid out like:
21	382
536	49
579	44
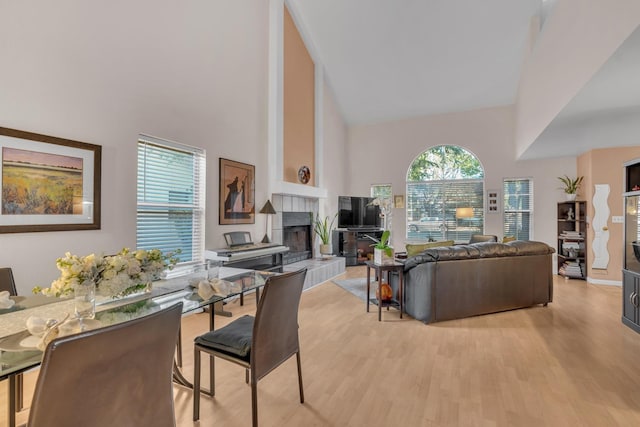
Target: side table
379	272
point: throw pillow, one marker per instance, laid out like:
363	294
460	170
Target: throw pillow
506	239
415	249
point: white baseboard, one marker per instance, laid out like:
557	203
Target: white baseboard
603	282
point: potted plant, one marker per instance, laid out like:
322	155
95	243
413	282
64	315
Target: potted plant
571	186
323	228
382	252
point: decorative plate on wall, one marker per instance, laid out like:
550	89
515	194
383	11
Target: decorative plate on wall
304	174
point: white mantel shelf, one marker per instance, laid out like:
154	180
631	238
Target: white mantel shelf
293	189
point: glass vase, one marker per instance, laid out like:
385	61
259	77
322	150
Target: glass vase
85	300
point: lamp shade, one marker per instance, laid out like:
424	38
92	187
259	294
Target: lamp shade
464	212
268	208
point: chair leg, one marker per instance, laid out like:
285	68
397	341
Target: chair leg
212	374
179	349
300	377
254	402
196	384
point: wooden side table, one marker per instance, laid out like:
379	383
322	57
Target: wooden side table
379	272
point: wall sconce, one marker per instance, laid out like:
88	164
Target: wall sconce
268	210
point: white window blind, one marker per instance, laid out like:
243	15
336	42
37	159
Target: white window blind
518	195
171	197
432	207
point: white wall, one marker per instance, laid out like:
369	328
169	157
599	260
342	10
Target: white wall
103	72
334	153
383	152
577	39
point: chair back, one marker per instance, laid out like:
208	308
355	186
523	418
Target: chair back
119	375
275	329
6	281
478	238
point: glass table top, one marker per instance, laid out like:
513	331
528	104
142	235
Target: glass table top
18	354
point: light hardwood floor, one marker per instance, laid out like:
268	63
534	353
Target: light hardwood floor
572	363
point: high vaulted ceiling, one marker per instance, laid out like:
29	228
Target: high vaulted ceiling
394	59
391	59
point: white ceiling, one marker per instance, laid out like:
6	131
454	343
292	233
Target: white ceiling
605	113
389	60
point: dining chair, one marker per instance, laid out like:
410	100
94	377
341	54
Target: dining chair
259	344
8	284
118	375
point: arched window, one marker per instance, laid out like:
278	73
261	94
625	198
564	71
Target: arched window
445	195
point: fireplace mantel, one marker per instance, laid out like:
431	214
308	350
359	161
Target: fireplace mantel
293	189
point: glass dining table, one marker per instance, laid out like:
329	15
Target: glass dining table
18	350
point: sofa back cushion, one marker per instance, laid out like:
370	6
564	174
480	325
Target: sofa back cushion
530	247
416	248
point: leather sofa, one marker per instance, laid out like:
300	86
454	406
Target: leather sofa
459	281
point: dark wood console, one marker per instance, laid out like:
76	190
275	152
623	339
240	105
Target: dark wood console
356	246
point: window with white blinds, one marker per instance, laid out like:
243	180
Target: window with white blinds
171	197
434	209
445	195
518	207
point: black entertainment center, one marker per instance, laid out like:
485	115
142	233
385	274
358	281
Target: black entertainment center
355	246
359	228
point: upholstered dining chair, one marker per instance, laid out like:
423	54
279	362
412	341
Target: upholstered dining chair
478	238
259	343
8	284
118	375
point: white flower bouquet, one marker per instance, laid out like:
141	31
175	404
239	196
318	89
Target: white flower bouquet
114	275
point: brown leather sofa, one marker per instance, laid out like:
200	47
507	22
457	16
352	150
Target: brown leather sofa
459	281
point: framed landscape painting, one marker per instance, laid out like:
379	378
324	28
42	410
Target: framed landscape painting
237	192
48	183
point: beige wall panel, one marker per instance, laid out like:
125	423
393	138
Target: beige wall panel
605	166
298	105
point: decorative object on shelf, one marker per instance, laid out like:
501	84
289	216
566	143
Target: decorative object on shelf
384	292
383	253
304	174
237	193
117	275
267	209
571	186
323	228
570	214
48	183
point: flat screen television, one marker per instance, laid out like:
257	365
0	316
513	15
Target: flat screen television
358	213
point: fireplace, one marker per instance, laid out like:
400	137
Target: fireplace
296	234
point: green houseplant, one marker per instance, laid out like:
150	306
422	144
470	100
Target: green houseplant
323	228
571	186
382	252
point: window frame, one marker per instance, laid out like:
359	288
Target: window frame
153	198
442	171
508	210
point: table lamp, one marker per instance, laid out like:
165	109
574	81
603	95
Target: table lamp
464	212
269	210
